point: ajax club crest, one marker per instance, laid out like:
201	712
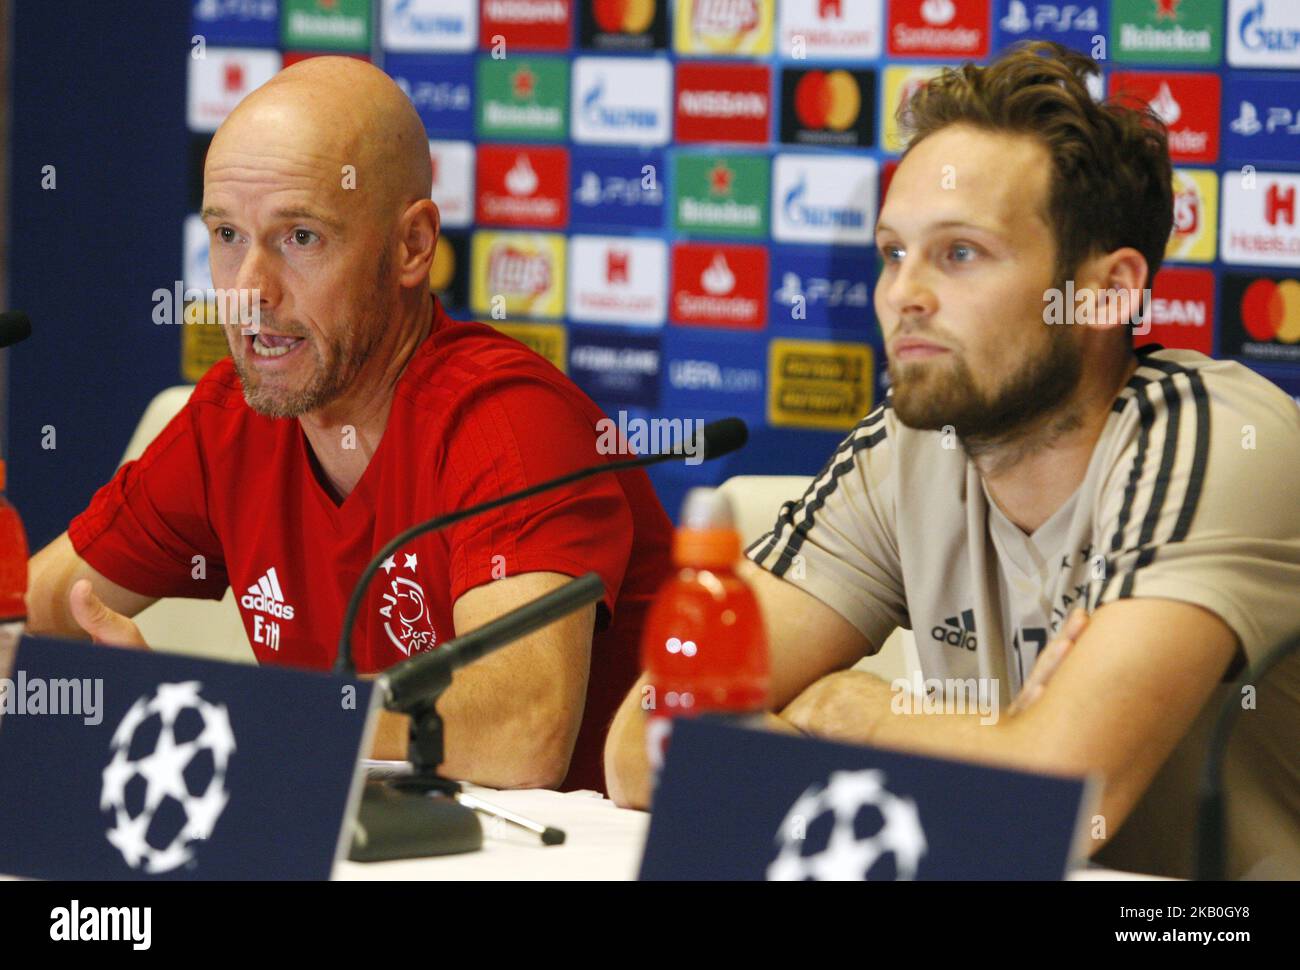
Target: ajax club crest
405	609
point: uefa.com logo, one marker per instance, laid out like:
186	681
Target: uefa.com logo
1092	307
188	305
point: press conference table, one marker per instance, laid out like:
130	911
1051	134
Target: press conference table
604	843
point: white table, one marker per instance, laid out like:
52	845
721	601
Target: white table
604	843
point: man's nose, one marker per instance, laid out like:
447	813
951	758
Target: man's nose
908	292
258	277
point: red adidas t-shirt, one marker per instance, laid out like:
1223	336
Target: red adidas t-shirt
475	415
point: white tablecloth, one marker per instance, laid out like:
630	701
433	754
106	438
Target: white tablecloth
604	843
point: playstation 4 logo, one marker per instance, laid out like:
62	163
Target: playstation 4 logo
1247	121
1049	17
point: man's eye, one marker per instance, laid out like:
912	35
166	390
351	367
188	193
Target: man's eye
962	252
225	234
887	253
304	237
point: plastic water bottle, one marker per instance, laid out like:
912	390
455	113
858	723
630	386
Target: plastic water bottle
703	646
13	574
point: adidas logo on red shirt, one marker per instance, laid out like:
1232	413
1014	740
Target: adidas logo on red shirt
265	596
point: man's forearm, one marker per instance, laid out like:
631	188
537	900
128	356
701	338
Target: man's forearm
858	707
500	731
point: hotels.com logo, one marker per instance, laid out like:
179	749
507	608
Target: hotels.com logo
1279	205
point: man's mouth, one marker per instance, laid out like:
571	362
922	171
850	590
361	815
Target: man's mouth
270	345
913	348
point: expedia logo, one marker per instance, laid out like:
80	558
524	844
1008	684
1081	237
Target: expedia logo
957	631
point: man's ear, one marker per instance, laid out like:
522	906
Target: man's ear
418	233
1118	289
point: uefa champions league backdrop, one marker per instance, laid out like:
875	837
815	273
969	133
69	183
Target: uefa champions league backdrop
673	200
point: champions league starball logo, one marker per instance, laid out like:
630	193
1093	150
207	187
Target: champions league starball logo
852	828
166	783
405	609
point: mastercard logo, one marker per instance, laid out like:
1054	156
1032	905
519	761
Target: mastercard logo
1270	310
827	100
623	16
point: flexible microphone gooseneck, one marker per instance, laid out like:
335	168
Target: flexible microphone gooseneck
720	438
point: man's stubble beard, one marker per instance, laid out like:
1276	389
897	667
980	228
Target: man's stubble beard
350	351
931	398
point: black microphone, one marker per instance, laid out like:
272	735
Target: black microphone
409	685
1211	863
719	438
15	326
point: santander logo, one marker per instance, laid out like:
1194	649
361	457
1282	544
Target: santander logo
1165	106
718	279
938	12
521	179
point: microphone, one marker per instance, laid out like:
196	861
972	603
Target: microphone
719	438
410	816
1210	856
15	326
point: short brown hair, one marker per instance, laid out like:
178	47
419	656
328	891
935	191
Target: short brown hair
1112	184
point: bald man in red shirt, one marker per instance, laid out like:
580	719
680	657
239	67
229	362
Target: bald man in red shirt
353	408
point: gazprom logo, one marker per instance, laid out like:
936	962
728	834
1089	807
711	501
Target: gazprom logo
409	20
799	212
606	116
1255	35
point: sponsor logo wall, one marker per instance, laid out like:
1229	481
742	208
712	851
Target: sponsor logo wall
674	200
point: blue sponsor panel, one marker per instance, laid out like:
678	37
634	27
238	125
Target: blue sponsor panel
1072	24
616	368
716	371
617	188
735	804
1261	118
441	88
236	23
823	287
136	764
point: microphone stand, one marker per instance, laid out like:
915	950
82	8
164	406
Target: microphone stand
422	813
413	687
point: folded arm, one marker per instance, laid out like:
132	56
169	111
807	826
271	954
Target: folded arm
1122	698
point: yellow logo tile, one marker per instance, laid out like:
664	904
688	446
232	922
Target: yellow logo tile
818	383
1196	217
517	274
723	27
